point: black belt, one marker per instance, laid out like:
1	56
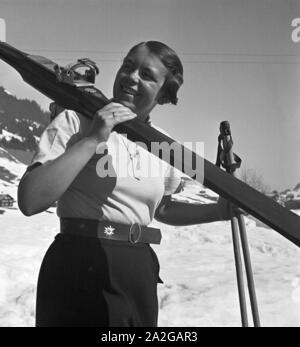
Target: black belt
108	230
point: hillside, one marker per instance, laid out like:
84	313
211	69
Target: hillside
21	122
11	170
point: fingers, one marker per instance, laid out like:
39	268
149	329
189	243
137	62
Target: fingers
123	116
113	107
223	209
238	210
106	118
55	109
227	209
115	117
115	113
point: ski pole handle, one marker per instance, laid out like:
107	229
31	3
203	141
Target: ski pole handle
232	161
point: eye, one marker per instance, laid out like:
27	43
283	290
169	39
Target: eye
127	65
147	75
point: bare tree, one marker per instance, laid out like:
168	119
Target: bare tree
255	180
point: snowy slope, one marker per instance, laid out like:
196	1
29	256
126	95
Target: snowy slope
11	170
197	266
12	164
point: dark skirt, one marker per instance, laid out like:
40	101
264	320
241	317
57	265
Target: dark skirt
97	283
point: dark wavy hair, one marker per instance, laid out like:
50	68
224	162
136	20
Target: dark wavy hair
170	59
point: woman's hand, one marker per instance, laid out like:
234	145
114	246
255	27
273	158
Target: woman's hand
224	209
106	118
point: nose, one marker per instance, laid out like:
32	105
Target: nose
133	77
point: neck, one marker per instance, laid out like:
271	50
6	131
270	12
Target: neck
144	119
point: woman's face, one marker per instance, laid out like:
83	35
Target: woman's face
139	80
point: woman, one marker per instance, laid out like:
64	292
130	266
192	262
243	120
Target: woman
101	270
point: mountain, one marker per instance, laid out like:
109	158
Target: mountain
21	122
297	188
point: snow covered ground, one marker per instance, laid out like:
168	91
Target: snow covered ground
196	266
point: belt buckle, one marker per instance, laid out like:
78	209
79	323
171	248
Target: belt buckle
131	233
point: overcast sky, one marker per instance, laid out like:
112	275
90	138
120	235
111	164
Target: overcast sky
239	59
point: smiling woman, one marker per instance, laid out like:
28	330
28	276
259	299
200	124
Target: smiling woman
139	81
101	270
151	74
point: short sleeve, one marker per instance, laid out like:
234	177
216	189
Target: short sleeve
56	137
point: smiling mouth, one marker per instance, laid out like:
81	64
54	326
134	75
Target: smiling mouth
128	90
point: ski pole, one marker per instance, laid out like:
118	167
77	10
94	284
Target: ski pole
239	269
249	272
231	166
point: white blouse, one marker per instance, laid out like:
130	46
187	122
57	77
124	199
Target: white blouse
121	183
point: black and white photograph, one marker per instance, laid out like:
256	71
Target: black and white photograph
150	165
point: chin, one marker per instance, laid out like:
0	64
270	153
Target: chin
126	103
